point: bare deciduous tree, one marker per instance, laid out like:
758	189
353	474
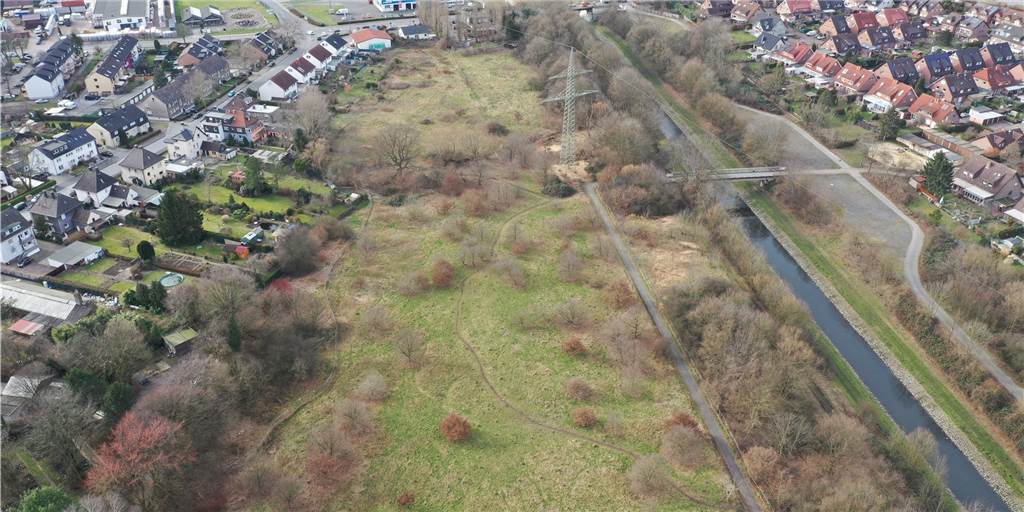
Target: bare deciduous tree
399	145
409	345
311	113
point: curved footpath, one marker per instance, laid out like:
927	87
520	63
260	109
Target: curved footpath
739	479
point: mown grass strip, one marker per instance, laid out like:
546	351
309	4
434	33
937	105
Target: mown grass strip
874	316
41	474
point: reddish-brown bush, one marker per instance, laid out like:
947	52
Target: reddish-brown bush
578	389
584	417
475	202
621	295
407	499
452	185
681	419
455	428
327	472
574	346
442	275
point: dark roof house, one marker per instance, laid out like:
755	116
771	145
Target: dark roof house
968	59
902	69
120	56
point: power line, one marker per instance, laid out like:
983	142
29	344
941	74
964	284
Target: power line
568	98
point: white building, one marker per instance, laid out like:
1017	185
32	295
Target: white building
143	167
371	39
121	15
280	86
394	5
19	238
63	153
416	32
184	144
44	84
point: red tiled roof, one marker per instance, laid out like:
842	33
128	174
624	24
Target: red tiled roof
862	20
856	77
320	53
897	93
821	63
939	111
361	36
890	17
997	77
283	80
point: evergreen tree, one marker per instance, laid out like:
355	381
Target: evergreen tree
45	499
156	45
300	139
117	400
234	333
938	174
180	221
145	250
159	77
889	125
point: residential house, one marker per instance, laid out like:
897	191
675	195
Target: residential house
767	24
995	79
994	142
334	42
933	112
984	12
199	50
954	88
116	68
766	44
394	5
888	94
834	25
988	183
52	71
967	59
790	10
74	254
267	44
373	39
1016	71
58	213
318	56
302	70
18	236
971	29
143	167
420	31
178	97
214	149
184	144
822	65
828	6
900	68
233	122
891	17
1016	212
877	38
998	54
854	80
923	8
202	17
282	85
93	187
118	127
715	9
984	116
860	21
935	66
792	53
910	33
1011	35
842	44
743	14
63	153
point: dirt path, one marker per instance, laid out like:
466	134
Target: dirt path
709	418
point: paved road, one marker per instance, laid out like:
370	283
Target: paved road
739	479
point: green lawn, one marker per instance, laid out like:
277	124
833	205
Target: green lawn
42	474
316	11
219	195
121	241
180	5
742	37
869	307
215	224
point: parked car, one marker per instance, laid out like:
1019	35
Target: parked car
91	97
106	154
42	100
23	262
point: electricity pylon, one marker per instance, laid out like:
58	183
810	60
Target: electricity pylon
568	97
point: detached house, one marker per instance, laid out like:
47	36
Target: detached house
184	144
967	59
998	54
888	94
935	66
283	85
822	66
60	214
900	68
988	183
768	24
766	44
18	236
63	153
143	167
116	68
860	21
834	25
117	128
854	80
933	112
955	88
93	188
1016	212
995	142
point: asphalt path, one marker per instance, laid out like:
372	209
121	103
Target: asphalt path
709	418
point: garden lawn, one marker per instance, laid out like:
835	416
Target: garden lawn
316	11
115	239
223	5
219	195
508	460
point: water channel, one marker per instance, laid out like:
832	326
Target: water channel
963	480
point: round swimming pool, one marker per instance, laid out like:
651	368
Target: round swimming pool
171	279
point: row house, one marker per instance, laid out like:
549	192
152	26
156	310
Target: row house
933	112
923	8
1009	16
854	80
999	78
988	183
52	70
118	127
842	44
793	53
834	25
982	11
267	45
901	69
791	10
829	6
892	17
822	66
303	70
889	94
178	97
998	54
877	38
955	88
281	86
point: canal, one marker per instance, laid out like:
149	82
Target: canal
962	478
